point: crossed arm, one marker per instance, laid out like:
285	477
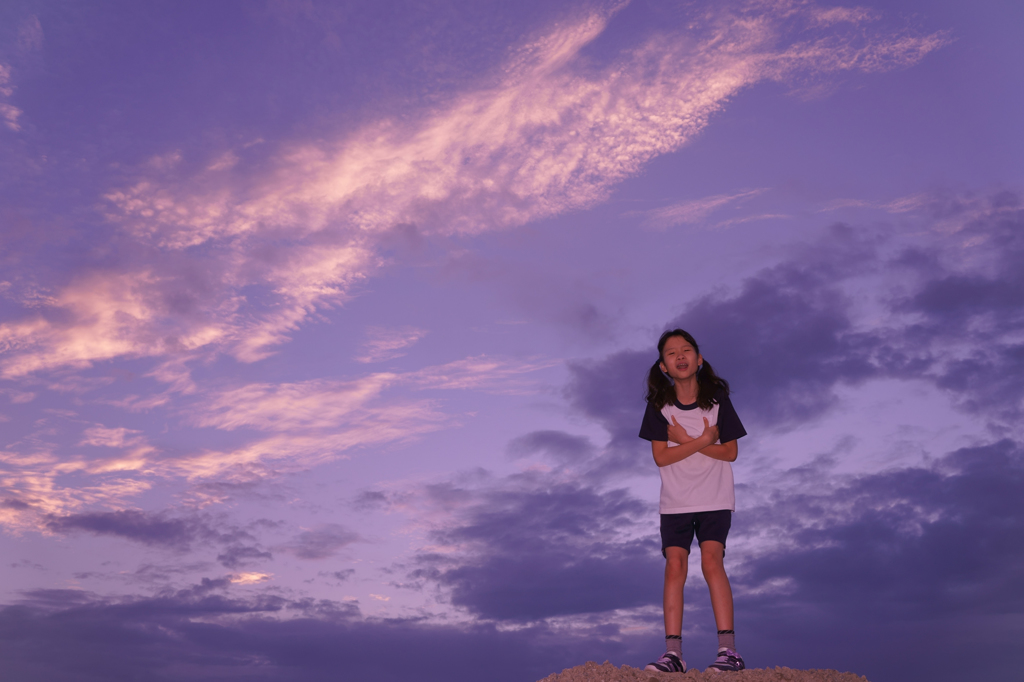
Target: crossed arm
704	444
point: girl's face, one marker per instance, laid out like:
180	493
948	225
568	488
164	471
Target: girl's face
679	360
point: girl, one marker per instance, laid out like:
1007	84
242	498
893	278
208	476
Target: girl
693	430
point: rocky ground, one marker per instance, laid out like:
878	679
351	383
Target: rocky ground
606	672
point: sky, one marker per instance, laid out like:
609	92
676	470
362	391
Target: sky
324	327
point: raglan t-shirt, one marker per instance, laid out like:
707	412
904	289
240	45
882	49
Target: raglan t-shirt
697	483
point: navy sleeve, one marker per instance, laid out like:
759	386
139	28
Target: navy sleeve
729	425
654	426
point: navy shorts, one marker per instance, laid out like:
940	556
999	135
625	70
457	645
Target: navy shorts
677	530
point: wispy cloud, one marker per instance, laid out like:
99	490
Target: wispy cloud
283	427
116	438
316	404
487	373
694	211
318	420
388	344
905	204
966	281
326	404
550	133
321	542
8	112
33	491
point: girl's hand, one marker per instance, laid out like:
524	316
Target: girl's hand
710	432
677	434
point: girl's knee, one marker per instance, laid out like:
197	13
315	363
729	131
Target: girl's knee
712	560
676	562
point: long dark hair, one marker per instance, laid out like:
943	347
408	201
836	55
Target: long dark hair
661	390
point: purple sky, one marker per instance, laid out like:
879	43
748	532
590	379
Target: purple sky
323	327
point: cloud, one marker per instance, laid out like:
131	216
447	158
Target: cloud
211	632
290	407
848	555
560	446
285	428
849	559
116	467
30	34
822	561
250	578
153	529
332	404
554	131
482	372
237	556
8	112
907	514
913	202
134	525
969	297
787	336
341	575
535	545
821	552
388	344
318	420
601	390
813	554
102	436
369	500
10	115
106	315
322	542
694	211
286	453
33	481
17	397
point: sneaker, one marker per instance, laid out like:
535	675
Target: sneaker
727	660
670	662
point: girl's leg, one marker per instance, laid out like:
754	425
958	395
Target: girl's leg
675	577
712	555
712	562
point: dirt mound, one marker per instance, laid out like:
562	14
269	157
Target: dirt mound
606	672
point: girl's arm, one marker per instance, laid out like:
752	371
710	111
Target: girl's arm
726	451
665	455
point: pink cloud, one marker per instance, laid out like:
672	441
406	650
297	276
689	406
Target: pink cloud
285	427
388	344
549	133
694	211
486	373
